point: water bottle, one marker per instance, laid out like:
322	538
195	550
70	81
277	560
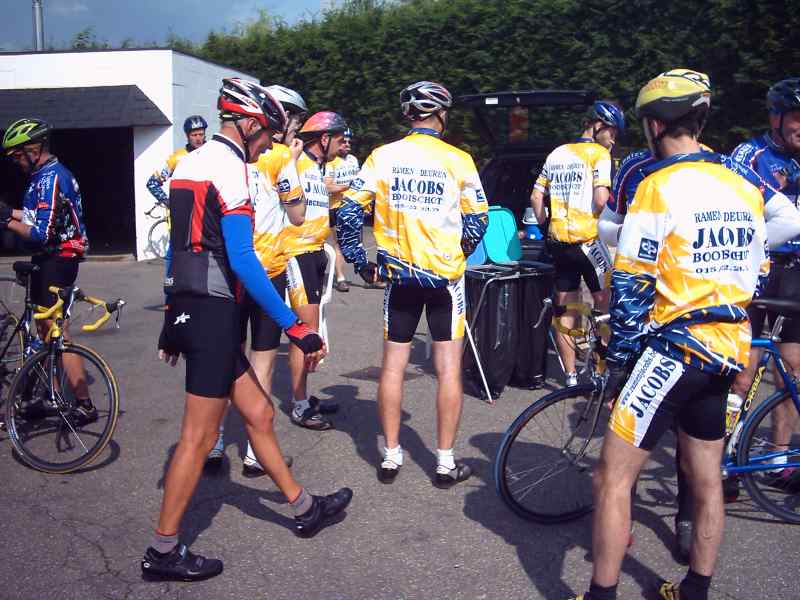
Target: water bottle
532	231
732	408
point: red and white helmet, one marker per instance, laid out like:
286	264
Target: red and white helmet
425	98
240	98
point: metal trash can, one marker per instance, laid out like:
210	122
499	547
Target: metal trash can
530	368
493	310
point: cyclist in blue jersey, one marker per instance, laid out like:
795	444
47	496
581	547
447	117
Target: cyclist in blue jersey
213	264
51	223
775	156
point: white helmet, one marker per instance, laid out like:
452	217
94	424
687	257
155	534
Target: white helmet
425	98
292	101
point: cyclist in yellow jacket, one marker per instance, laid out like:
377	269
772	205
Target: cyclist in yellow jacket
430	213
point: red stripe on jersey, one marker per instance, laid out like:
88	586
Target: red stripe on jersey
199	191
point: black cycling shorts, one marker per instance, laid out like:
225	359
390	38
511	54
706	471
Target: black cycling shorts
661	391
784	282
589	261
305	277
444	310
265	333
332	218
206	331
59	271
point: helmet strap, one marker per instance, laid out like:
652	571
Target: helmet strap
246	139
323	159
442	121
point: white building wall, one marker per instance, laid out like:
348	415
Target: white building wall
178	84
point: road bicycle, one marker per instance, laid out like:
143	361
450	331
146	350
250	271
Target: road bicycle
158	234
544	464
42	414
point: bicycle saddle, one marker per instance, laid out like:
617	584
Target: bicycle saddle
24	268
782	306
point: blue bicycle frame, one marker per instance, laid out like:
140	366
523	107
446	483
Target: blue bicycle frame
763	461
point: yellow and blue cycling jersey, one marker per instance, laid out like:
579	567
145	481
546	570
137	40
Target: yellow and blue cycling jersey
430	209
157	180
691	255
569	176
311	235
343	171
275	185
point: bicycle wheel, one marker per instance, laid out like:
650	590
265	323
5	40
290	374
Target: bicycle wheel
543	468
158	238
12	340
41	411
764	486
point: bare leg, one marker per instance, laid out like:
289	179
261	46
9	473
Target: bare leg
390	390
73	364
199	430
701	459
565	343
449	397
613	481
297	363
258	413
786	418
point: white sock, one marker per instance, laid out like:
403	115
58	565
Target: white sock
446	458
250	456
392	457
300	406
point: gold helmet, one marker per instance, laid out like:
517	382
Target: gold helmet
674	94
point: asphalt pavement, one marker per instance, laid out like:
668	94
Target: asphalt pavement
81	536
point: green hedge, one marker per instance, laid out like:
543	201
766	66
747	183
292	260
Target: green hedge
357	58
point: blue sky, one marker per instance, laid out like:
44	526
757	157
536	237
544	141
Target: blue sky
144	21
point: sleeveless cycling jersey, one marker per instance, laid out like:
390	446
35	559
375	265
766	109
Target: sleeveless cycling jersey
274	185
343	171
778	168
311	235
570	174
210	183
428	202
157	180
690	256
52	206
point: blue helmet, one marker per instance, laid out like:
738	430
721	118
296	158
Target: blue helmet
784	96
194	122
609	114
348	133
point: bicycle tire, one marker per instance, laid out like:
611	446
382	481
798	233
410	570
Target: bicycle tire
158	238
14	354
28	429
754	440
563	490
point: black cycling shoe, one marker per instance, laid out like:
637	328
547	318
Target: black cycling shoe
251	468
387	474
323	509
462	472
179	565
326	407
311	419
683	541
83	414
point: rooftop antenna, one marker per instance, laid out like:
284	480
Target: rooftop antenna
38	26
